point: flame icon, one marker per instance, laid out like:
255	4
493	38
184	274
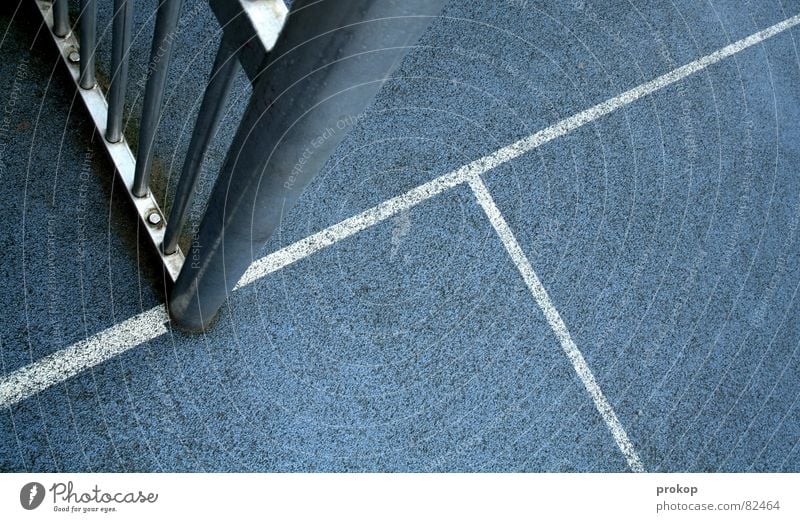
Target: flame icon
31	495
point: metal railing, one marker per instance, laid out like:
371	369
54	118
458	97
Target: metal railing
319	64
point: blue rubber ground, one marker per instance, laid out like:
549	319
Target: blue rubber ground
665	233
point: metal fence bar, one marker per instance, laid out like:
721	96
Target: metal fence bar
310	85
148	214
329	62
61	18
120	47
160	54
226	65
88	36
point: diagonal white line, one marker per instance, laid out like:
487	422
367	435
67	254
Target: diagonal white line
389	208
93	350
554	320
350	226
48	371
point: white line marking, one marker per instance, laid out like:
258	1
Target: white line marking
554	320
350	226
42	374
63	364
626	98
387	209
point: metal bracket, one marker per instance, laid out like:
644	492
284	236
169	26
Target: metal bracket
252	28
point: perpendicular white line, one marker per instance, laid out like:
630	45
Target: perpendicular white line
344	229
555	321
68	362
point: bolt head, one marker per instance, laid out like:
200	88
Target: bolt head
154	218
74	57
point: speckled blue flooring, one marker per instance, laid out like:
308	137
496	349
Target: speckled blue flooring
665	234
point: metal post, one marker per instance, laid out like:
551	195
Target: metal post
120	47
328	64
88	36
224	71
160	54
61	18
